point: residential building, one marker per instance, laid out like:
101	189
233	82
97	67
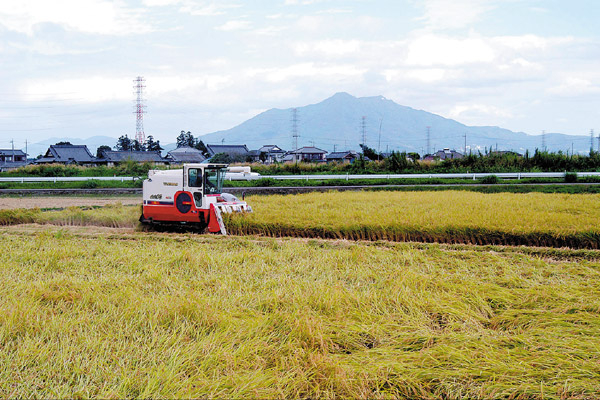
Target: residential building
343	157
237	152
10	159
268	154
185	154
67	154
112	158
445	154
308	154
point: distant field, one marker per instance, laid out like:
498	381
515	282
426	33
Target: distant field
110	313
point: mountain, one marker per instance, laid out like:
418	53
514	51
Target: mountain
337	123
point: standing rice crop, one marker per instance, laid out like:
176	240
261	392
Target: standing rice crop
537	219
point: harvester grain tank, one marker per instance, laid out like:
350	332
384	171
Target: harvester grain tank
189	196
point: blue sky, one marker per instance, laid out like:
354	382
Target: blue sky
67	66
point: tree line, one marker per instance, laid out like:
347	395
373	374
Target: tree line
125	143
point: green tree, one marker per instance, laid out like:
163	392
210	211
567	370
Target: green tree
199	145
124	144
152	145
370	153
101	149
185	139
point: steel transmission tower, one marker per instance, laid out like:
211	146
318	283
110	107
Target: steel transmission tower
543	140
295	127
363	127
140	109
428	139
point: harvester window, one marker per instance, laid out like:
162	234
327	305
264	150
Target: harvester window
194	177
213	180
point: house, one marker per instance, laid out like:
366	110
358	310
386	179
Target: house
185	154
67	154
308	154
12	156
112	158
342	157
10	159
445	154
268	154
237	152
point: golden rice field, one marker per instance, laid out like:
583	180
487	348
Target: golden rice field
533	219
114	313
538	219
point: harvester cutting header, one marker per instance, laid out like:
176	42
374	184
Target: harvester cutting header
191	196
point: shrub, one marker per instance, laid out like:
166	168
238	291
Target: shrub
489	180
570	177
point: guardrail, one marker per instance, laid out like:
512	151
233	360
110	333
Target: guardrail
474	176
68	178
249	177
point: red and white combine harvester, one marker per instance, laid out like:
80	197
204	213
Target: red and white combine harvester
189	196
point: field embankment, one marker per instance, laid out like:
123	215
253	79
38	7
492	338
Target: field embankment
139	315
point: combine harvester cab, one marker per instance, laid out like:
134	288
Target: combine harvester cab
189	196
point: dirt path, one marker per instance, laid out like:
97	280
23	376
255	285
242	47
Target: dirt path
63	202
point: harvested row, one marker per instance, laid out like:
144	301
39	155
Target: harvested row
476	236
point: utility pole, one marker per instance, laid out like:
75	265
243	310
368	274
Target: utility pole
12	142
465	136
25	149
295	128
591	140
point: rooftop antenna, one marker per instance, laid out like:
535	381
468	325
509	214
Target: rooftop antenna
139	109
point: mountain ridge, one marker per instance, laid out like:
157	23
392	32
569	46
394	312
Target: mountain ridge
335	124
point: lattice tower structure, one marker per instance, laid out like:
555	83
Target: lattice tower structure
140	109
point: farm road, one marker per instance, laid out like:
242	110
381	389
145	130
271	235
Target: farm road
64	202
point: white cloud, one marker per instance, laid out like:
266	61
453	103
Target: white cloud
98	89
431	50
306	70
89	16
429	75
328	48
470	111
234	25
445	14
574	86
